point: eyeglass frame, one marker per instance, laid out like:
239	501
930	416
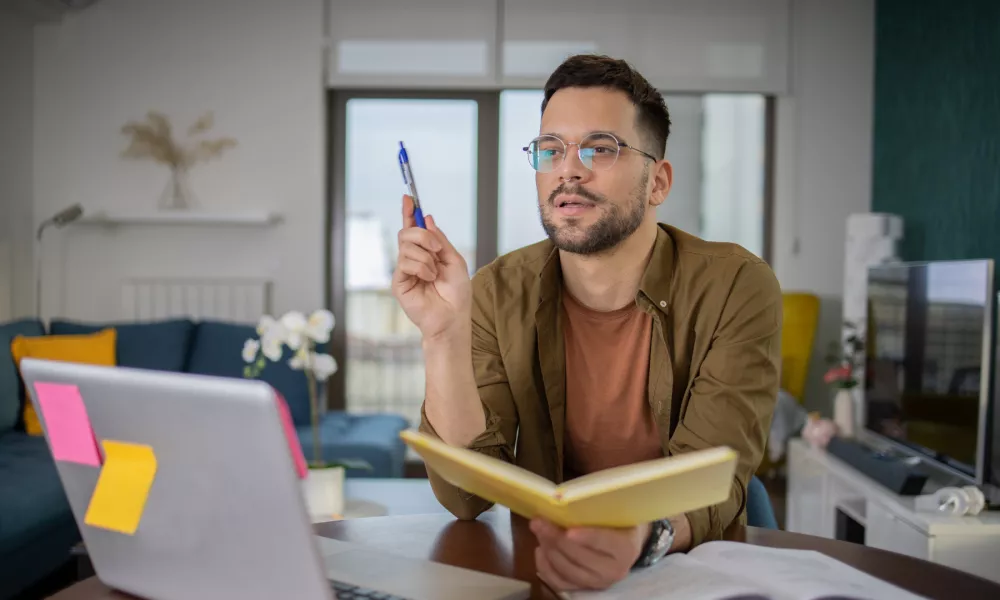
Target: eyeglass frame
566	144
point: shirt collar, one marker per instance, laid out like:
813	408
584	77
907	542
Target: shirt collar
654	285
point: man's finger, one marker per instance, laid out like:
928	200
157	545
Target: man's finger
408	266
414	252
598	562
571	571
546	572
408	219
610	542
420	237
449	251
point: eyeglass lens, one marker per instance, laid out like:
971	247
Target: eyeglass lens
597	151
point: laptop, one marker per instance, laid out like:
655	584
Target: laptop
200	497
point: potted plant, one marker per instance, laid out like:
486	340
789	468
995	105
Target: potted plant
843	376
324	485
154	138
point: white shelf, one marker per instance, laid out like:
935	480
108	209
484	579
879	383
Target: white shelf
260	218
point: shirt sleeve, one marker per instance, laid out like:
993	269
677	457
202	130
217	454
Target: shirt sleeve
497	440
734	394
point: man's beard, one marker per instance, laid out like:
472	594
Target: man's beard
616	225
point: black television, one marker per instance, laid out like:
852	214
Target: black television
929	362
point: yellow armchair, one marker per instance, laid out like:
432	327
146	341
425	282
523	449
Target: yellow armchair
800	321
801	318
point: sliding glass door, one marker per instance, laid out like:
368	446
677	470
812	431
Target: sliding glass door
382	361
465	150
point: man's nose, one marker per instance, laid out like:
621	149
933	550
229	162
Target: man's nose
572	168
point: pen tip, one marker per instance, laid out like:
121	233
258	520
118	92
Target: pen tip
400	145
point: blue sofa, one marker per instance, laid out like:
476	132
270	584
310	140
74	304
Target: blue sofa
37	528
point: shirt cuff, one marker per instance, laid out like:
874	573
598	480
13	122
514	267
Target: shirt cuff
490	436
704	525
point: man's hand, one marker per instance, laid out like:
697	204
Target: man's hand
585	558
431	281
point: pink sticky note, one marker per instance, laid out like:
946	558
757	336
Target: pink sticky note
70	434
293	438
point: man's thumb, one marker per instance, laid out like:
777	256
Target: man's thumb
445	243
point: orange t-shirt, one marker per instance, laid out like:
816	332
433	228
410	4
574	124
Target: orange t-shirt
608	419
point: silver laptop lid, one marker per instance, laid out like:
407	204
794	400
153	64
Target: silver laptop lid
224	516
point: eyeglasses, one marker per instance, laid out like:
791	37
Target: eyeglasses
597	151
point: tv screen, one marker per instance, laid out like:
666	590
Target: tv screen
928	358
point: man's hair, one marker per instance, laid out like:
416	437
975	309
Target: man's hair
591	70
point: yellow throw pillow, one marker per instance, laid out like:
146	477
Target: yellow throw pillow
92	348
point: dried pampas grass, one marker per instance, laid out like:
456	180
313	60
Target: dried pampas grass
153	139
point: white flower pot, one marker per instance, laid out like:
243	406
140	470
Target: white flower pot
843	413
324	493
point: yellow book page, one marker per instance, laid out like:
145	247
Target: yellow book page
649	492
620	497
477	467
642	472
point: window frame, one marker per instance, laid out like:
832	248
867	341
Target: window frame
334	231
487	195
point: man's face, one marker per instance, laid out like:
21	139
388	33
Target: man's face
591	210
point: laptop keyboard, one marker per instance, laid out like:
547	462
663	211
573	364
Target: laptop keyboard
346	591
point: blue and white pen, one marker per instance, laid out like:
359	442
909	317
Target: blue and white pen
404	166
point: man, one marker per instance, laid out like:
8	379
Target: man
616	340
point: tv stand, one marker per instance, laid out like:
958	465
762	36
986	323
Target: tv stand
894	471
829	497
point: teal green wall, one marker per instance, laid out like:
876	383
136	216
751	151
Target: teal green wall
937	125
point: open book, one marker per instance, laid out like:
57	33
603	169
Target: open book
731	571
620	497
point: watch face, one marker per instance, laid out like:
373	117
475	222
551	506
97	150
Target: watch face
665	537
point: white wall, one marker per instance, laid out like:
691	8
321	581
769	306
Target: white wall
258	64
16	294
824	137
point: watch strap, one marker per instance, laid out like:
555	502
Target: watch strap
656	546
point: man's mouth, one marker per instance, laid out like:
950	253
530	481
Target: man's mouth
572	202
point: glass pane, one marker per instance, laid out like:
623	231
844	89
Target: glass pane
716	148
732	192
519	224
384	371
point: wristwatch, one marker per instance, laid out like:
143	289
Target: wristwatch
661	537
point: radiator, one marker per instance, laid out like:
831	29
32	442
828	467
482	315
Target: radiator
225	299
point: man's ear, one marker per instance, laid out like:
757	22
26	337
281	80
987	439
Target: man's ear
663	177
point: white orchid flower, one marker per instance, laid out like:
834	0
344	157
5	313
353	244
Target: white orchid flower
250	348
319	325
323	366
272	342
265	324
299	361
294	323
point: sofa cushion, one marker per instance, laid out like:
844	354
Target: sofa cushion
157	345
218	350
11	386
373	438
92	349
32	497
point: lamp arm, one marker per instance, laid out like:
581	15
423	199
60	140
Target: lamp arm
41	229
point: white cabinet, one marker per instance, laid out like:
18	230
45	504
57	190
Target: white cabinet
886	531
828	498
805	496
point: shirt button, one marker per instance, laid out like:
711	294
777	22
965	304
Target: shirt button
663	303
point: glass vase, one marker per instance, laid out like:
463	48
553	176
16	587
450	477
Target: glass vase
177	194
844	409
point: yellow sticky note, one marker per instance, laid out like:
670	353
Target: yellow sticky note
122	487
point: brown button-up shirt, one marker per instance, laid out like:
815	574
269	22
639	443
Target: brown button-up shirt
714	362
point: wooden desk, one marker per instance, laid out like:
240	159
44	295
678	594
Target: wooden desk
497	543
